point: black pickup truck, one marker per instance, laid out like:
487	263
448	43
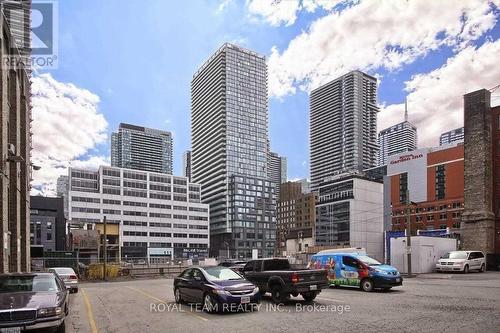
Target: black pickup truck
275	276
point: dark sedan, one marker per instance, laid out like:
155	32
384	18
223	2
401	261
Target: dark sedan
32	302
216	288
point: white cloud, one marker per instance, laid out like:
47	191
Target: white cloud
278	12
275	12
372	35
435	99
66	126
222	6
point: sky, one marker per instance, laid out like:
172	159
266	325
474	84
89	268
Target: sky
132	61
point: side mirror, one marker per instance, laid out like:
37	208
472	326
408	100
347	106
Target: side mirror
197	278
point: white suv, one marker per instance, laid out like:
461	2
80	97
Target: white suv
461	261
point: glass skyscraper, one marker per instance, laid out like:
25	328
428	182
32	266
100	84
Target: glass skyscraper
229	137
142	148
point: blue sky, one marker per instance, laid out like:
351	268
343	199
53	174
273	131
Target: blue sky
138	57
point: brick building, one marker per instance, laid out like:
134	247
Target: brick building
434	179
15	137
296	214
480	191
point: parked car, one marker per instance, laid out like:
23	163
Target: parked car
462	261
32	302
356	269
235	265
69	277
275	275
215	287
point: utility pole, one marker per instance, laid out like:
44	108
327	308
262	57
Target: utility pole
105	250
408	231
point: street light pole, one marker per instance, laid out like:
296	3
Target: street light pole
105	249
408	231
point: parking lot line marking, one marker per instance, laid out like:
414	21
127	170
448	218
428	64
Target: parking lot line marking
331	299
90	314
165	302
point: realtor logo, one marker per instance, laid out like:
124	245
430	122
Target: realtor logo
34	30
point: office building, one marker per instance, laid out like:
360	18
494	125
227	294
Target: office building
229	137
15	137
434	180
159	215
397	139
480	220
453	136
343	127
142	148
47	223
296	218
277	170
186	164
349	213
305	185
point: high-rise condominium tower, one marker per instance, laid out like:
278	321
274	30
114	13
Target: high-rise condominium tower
229	137
142	148
456	135
277	171
397	139
343	127
186	164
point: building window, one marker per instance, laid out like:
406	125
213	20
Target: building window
440	182
403	187
442	216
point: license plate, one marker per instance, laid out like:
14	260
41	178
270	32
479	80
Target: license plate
313	287
245	299
10	330
398	280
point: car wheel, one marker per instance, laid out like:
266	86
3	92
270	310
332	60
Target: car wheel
61	328
177	295
309	297
483	268
466	269
277	295
75	290
367	285
209	305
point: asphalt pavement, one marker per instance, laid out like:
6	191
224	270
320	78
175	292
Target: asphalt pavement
428	303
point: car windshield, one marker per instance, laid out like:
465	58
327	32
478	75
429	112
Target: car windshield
369	261
64	271
455	255
33	283
220	273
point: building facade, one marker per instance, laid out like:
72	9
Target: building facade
186	164
396	139
229	137
157	214
47	223
453	136
142	148
15	143
343	127
62	189
349	213
478	220
296	216
277	170
434	180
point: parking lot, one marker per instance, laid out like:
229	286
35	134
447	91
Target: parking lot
434	302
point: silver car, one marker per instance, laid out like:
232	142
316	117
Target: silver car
68	276
462	261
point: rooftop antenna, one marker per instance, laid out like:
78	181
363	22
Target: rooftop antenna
406	110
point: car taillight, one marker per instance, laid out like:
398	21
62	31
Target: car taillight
295	278
73	277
